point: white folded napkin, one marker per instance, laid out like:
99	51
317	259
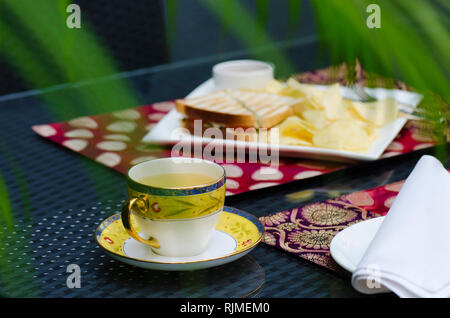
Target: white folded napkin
410	253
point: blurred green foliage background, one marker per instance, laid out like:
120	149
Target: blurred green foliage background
412	45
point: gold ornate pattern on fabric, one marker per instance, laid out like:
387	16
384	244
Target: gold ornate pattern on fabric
307	231
179	207
327	214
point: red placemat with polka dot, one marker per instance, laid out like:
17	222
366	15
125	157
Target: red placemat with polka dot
114	140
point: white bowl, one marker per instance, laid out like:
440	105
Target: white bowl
242	74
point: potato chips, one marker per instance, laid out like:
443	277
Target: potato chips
380	113
325	119
294	130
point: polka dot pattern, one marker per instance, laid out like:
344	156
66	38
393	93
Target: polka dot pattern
395	146
79	133
307	174
233	171
388	202
115	141
232	184
127	114
156	116
262	185
390	154
267	173
75	144
109	159
395	187
112	145
83	122
122	126
45	130
163	106
360	198
422	146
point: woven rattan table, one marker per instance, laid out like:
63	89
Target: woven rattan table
59	198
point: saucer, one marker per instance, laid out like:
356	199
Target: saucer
237	233
347	248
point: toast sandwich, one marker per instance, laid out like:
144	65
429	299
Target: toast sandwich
238	108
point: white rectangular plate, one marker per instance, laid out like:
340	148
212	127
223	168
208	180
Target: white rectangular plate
162	133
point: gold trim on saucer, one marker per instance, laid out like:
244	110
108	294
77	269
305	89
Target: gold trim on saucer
245	228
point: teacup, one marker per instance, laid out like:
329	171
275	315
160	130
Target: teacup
175	221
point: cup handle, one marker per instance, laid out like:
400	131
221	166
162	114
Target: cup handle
126	221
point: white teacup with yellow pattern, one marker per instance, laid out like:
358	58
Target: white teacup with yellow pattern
176	204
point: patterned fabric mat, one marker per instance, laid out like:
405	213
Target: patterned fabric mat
114	140
307	231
